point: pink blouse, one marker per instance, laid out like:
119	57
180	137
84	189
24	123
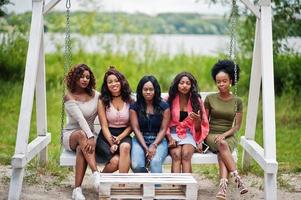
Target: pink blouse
118	118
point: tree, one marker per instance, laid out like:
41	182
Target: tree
2	4
286	22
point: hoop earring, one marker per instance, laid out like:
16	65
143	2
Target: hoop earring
230	85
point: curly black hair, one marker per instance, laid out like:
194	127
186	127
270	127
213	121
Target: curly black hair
157	97
105	94
74	75
194	91
228	67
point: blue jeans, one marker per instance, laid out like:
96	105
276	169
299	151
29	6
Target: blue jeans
138	155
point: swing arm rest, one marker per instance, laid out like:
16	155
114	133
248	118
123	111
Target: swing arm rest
20	160
257	152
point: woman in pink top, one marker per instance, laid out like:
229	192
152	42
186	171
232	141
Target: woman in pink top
113	142
188	125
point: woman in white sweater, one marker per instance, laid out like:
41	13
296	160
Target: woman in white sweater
78	135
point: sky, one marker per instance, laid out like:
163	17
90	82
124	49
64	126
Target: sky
151	7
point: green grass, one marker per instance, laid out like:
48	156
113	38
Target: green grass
164	67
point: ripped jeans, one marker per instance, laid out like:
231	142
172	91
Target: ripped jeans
138	155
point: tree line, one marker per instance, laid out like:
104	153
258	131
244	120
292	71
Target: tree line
88	23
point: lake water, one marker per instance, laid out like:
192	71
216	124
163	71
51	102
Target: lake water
168	44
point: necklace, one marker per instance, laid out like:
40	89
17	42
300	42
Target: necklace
114	97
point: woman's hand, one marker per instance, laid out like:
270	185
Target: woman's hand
114	148
195	116
199	148
171	142
219	138
151	151
116	140
90	145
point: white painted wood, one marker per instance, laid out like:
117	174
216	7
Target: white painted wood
105	190
254	9
134	192
192	191
27	95
257	152
169	178
268	97
254	93
264	2
50	5
29	78
270	186
16	181
148	191
68	158
41	108
39	143
148	181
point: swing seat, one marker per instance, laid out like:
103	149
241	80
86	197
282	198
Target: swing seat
68	158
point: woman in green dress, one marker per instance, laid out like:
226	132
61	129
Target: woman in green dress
225	112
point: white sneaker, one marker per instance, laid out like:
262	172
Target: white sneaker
77	194
96	180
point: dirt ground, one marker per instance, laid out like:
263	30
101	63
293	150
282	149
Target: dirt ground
48	187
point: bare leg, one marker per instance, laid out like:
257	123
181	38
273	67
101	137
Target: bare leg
176	159
124	160
226	156
80	167
187	152
223	172
112	165
227	159
80	138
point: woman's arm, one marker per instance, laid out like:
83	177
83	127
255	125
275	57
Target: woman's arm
75	112
161	134
163	128
136	129
104	122
122	135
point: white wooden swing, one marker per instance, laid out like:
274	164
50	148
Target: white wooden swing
262	71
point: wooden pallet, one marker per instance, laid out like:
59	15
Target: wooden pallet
144	186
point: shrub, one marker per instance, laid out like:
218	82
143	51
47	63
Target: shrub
13	49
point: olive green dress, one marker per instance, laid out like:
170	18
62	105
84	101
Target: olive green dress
221	118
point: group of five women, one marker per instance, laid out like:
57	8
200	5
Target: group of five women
177	124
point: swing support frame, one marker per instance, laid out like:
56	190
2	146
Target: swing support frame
34	86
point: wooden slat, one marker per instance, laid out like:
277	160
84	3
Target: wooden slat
257	152
252	8
134	192
50	5
39	143
67	158
31	67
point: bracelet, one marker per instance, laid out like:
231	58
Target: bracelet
154	144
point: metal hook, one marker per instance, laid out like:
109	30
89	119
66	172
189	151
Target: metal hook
68	4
